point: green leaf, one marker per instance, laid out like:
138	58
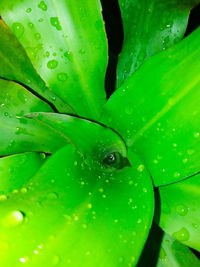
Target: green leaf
18	169
179	211
16	66
17	133
74	215
66	43
174	254
94	141
149	27
157	112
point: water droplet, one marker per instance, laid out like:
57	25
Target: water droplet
89	206
40	20
55	23
195	225
52	64
30	25
24	190
42	6
182	234
13	219
144	189
62	77
18	29
3	197
177	174
5	114
28	10
196	134
101	190
181	210
68	55
47	54
37	36
140	167
190	151
23	260
139	221
162	254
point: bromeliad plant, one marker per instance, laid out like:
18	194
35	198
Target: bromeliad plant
78	173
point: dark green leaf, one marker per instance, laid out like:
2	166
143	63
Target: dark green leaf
157	112
66	43
74	215
150	27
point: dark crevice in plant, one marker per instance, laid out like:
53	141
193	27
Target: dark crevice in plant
114	30
196	253
151	250
194	20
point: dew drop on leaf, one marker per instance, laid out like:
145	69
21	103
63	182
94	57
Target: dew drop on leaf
52	64
55	23
181	210
13	219
182	234
42	5
62	76
28	10
18	29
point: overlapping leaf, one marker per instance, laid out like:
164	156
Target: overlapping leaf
180	211
16	66
150	27
157	112
74	215
65	41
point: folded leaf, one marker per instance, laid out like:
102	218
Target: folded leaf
17	133
92	140
16	170
74	215
157	112
66	43
180	211
16	66
150	27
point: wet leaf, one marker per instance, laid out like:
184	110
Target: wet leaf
17	133
157	111
16	170
150	27
66	44
74	215
180	212
16	66
174	254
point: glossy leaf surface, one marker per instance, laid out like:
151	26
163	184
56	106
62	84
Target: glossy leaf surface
157	111
66	43
74	215
16	170
150	27
94	141
16	66
180	211
17	133
174	254
161	250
